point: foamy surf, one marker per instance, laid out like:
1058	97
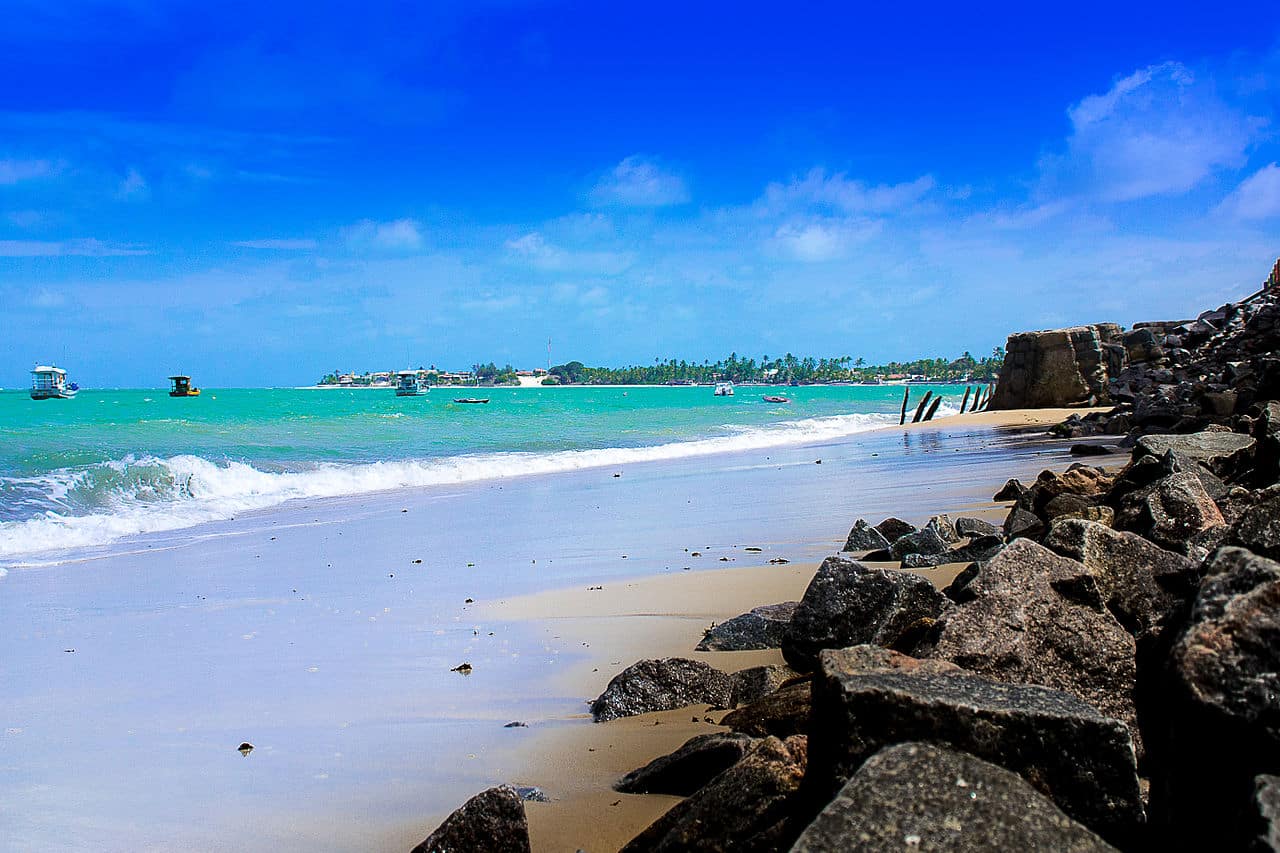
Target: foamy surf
104	503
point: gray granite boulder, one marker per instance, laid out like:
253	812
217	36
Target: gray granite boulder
1181	511
864	537
1012	490
1266	800
782	713
925	541
492	821
944	527
1022	523
1258	527
918	796
759	681
976	549
762	628
848	604
1064	747
1034	617
684	771
975	527
1224	453
1144	586
746	808
1229	659
662	685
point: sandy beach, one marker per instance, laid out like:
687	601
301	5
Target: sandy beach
314	632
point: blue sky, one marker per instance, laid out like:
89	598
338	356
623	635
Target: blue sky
256	193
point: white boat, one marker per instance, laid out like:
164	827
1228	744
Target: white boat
724	389
50	383
409	385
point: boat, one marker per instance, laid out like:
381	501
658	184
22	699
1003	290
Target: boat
182	387
769	398
724	389
471	400
50	383
409	385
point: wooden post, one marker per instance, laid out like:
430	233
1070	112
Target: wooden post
964	404
920	408
906	392
937	401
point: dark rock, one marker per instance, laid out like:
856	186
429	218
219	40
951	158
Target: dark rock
893	529
975	527
1180	509
923	797
956	589
1091	450
864	537
1229	659
926	541
919	561
783	713
1022	523
1258	528
944	527
1068	751
759	681
532	794
1012	490
762	628
1144	586
1037	618
746	808
492	821
1067	505
662	685
1266	800
1059	367
847	604
978	549
684	771
1222	452
882	555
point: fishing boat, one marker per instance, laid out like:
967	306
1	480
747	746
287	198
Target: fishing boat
409	385
182	387
724	389
471	400
50	383
769	398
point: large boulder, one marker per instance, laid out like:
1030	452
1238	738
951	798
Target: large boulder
864	537
759	681
662	685
684	771
894	529
848	604
746	808
1065	748
1144	586
1258	528
926	541
1059	367
1224	453
782	713
762	628
1034	617
1182	515
919	796
1266	800
975	527
492	821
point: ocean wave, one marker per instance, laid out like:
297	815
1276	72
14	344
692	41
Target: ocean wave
100	504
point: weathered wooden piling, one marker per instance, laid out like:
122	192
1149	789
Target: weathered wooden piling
965	402
920	408
906	393
937	401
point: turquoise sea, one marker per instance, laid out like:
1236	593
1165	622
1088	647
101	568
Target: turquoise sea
113	464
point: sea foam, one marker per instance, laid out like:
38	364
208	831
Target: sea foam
100	504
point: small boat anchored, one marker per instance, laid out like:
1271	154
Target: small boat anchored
724	389
769	398
50	383
409	385
182	387
472	400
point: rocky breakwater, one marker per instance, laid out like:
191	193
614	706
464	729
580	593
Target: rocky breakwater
1103	673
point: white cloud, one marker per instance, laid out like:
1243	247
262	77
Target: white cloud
840	193
400	235
636	182
536	251
133	187
820	240
1159	131
283	245
13	171
88	247
1257	197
